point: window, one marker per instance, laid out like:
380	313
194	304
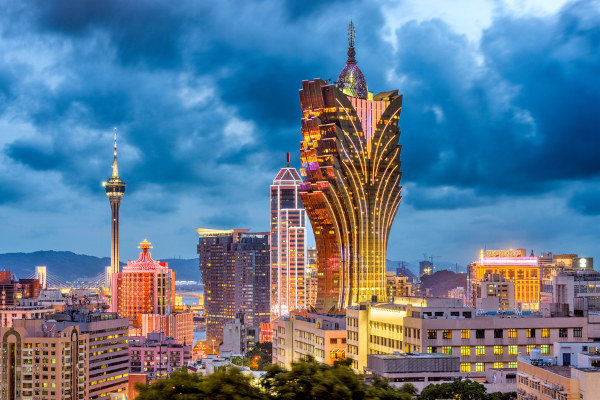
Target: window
513	350
332	341
465	334
479	334
530	334
431	334
498	334
545	348
479	367
577	332
446	334
498	365
465	351
545	332
498	350
562	332
512	364
530	347
480	350
431	350
447	350
465	367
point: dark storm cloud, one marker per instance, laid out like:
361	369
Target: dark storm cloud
519	116
587	200
203	92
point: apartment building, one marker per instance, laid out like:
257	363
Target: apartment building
157	355
442	325
43	360
108	363
320	336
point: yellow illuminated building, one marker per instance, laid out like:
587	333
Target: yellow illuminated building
515	266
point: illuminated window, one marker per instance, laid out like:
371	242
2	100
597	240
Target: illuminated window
479	367
447	350
465	334
530	347
480	350
513	350
498	365
545	332
465	351
530	334
545	348
446	334
465	367
498	350
512	364
431	334
512	333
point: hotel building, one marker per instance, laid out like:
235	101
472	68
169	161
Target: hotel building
311	278
351	182
288	243
145	286
441	325
513	265
235	267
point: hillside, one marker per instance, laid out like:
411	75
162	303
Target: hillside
440	282
68	266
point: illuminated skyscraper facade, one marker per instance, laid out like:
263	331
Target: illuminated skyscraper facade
235	268
115	189
351	182
145	286
288	243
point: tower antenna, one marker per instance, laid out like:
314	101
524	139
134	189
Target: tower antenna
351	34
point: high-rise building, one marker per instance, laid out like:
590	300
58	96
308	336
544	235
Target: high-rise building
145	286
41	275
288	243
115	189
351	182
235	268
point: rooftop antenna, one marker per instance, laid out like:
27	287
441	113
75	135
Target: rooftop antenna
288	158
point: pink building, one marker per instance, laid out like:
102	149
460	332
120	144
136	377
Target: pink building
157	355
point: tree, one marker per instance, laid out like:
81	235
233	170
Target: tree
310	380
260	357
464	390
224	385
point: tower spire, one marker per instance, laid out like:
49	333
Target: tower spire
351	38
115	168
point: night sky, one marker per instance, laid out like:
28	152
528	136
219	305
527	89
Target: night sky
500	121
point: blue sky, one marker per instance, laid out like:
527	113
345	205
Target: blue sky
500	124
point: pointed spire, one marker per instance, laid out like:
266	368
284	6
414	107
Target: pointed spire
115	168
351	38
288	158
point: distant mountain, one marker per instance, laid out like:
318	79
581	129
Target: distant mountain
68	266
440	282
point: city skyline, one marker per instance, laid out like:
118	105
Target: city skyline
487	159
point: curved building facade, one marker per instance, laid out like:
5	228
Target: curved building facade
351	183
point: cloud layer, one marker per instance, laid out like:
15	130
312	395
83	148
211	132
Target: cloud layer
500	108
